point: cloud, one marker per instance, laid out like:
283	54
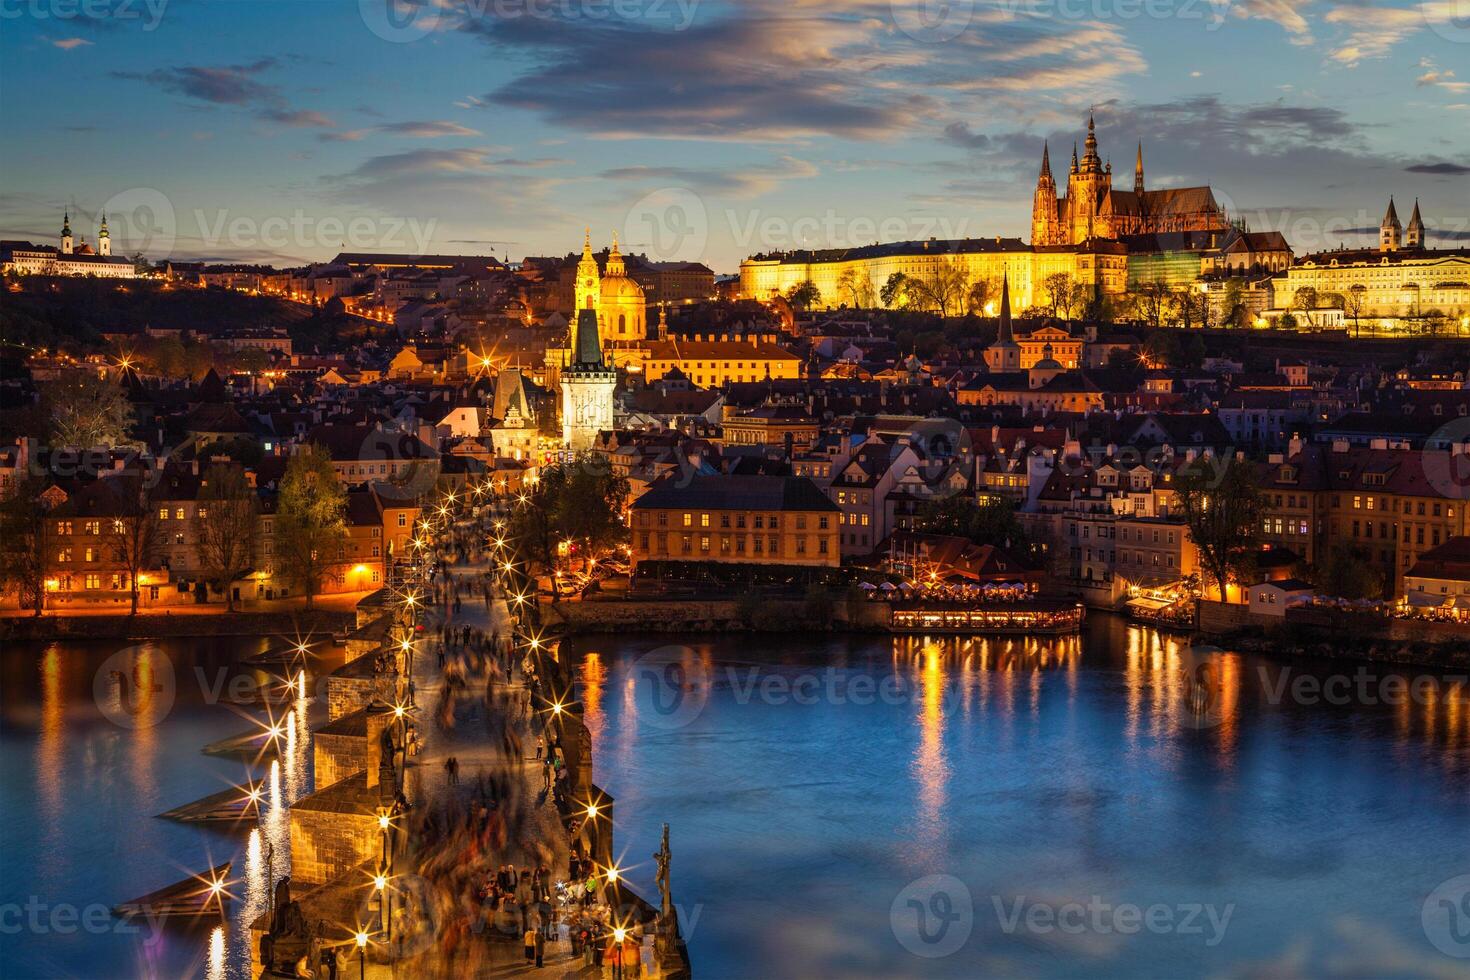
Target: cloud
1372	31
743	181
769	70
1446	169
1287	14
417	129
1440	78
231	85
959	134
71	43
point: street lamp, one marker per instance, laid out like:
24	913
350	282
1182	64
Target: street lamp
362	939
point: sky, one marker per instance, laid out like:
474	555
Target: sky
704	130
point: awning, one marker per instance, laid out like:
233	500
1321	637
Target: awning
1145	604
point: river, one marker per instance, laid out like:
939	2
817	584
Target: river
1106	805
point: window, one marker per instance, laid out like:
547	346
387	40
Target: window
704	520
688	520
63	554
740	521
88	555
202	512
93	582
704	544
402	519
179	514
663	519
94	527
725	520
63	527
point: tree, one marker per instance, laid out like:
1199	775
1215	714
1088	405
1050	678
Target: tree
804	295
1231	306
1354	303
894	291
580	501
1221	504
1348	573
26	539
85	411
1162	350
1304	300
1065	295
942	288
137	538
226	527
1192	307
991	521
310	528
1151	301
856	287
979	296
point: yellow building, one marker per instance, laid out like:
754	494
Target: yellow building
712	363
1391	284
622	314
854	277
778	520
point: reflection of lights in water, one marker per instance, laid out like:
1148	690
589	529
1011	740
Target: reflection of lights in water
143	736
930	767
251	900
594	677
216	969
49	744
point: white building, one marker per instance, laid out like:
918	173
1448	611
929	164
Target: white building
70	259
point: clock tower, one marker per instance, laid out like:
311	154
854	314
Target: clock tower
586	386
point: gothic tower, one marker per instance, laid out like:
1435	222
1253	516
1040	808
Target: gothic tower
1414	234
1390	232
1045	222
66	241
104	239
1085	189
1138	173
587	386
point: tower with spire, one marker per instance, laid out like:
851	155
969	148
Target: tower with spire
66	239
1045	227
1414	233
1138	172
587	386
587	293
1004	355
1390	231
104	239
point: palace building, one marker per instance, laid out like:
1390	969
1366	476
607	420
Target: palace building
1400	278
854	276
70	259
1093	208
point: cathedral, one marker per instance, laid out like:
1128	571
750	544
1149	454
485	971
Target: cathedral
617	300
1092	208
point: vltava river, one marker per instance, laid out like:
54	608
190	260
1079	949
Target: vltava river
1111	805
881	807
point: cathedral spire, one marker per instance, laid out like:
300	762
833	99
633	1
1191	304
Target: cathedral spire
1414	233
1138	171
1074	156
1045	161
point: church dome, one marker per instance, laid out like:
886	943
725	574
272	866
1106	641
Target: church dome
1047	362
620	287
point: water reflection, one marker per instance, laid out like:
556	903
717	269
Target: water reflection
930	766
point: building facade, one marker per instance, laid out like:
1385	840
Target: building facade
777	520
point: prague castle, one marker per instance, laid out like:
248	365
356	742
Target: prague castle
1092	208
1087	235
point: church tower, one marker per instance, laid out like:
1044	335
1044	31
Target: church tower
1085	189
1390	232
104	239
1004	356
587	386
1138	173
1045	223
587	294
66	241
1414	234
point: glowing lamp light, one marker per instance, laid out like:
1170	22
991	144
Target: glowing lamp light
362	939
380	882
612	875
591	809
383	821
619	934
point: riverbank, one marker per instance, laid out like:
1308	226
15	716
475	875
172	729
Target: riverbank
111	626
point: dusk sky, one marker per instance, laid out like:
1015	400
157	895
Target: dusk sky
707	130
